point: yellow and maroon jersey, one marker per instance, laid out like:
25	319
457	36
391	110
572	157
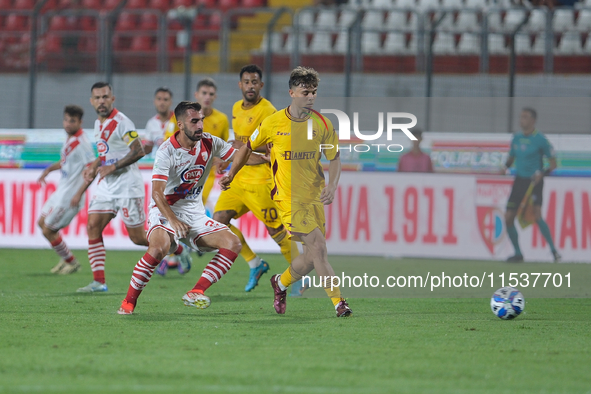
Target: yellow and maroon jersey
295	159
244	122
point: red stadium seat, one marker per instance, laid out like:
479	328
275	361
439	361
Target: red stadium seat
207	3
87	44
50	5
175	25
16	22
64	4
126	21
227	4
87	23
136	4
159	4
253	3
111	4
59	23
92	4
142	43
121	43
23	4
53	43
181	3
5	5
215	21
148	22
201	22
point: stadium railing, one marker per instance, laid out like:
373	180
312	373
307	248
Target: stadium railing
468	39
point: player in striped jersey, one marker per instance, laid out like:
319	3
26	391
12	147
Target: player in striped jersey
158	124
215	123
120	186
59	210
176	213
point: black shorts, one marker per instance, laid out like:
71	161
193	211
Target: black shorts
520	186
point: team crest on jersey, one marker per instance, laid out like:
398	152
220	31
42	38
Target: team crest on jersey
102	147
204	155
193	174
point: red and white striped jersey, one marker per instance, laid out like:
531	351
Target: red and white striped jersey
113	138
185	171
155	130
75	154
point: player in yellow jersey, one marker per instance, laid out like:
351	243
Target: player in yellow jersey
300	189
251	189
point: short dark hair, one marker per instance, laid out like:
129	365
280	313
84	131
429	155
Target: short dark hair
251	68
531	111
417	133
207	82
182	108
74	111
305	76
163	89
101	84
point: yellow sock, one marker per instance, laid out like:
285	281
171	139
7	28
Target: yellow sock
246	252
289	276
285	244
334	293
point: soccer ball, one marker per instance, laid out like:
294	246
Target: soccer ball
507	303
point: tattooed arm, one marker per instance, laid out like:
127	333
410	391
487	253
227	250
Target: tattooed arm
136	152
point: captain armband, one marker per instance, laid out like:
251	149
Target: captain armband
130	136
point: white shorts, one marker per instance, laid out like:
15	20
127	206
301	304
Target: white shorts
200	224
57	211
132	209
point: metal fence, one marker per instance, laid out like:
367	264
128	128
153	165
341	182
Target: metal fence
427	41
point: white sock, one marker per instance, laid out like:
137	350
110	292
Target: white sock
254	262
283	288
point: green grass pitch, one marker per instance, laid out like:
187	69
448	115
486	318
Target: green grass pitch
54	340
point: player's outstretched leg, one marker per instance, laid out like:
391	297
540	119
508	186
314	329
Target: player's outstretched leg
142	272
96	256
217	267
315	252
68	263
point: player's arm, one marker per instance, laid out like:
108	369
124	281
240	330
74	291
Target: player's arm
148	142
239	160
46	171
181	229
148	146
547	151
89	173
334	175
136	152
509	162
80	192
510	159
237	144
257	139
334	167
